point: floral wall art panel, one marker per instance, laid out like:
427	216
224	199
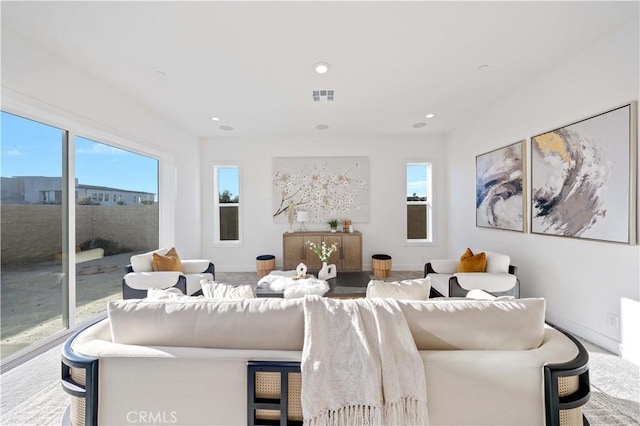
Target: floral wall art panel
500	199
326	187
583	178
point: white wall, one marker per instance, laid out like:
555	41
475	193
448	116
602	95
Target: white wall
386	230
582	280
40	85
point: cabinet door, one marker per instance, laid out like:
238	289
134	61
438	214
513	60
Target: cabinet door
292	251
310	258
336	256
351	253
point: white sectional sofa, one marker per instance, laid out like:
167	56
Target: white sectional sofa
187	362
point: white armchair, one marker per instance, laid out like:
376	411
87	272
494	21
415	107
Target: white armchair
499	277
140	276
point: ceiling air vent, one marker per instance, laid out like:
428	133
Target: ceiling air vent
323	95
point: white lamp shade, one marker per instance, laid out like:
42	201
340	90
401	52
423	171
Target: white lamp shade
302	216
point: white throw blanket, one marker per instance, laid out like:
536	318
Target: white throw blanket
360	365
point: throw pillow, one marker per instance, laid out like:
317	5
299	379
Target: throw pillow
166	294
168	262
417	289
470	262
216	290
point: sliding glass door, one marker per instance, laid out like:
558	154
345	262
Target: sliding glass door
116	217
34	277
113	196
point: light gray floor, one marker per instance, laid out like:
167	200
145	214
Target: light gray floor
31	393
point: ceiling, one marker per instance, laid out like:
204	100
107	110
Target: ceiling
251	63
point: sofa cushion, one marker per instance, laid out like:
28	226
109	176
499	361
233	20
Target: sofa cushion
193	281
146	280
444	266
470	262
171	293
270	324
166	262
497	263
417	289
440	283
516	324
142	262
492	282
215	290
195	266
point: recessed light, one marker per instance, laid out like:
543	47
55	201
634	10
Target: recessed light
322	126
418	125
161	73
430	115
321	67
227	128
215	118
483	67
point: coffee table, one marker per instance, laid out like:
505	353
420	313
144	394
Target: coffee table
346	285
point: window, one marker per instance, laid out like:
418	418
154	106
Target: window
120	232
227	203
45	293
419	199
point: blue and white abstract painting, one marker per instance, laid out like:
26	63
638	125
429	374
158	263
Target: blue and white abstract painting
580	177
499	188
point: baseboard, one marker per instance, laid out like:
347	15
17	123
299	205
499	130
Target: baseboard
586	333
239	268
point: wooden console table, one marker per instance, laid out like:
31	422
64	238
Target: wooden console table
348	257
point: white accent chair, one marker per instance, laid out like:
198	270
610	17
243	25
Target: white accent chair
140	276
499	278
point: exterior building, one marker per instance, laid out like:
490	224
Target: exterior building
48	190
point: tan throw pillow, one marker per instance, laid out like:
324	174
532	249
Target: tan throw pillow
470	262
167	262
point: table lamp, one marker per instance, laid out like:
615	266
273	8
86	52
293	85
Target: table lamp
302	216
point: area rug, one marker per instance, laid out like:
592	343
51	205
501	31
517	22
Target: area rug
605	410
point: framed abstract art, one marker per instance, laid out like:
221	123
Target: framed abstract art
583	178
500	184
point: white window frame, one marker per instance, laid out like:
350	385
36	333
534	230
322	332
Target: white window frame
428	203
216	205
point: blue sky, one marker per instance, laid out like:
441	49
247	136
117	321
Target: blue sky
416	180
34	149
228	179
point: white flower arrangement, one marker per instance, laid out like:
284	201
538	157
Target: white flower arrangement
322	251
